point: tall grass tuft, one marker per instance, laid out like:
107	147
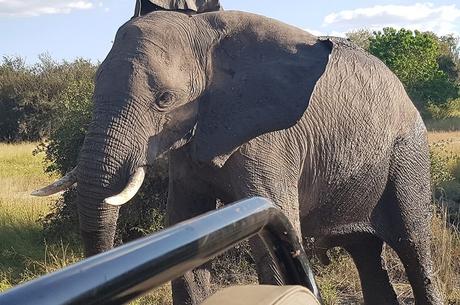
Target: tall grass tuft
446	255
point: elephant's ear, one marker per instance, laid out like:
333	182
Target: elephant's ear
255	87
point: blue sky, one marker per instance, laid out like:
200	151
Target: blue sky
85	28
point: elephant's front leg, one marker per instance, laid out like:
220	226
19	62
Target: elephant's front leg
188	197
267	269
251	175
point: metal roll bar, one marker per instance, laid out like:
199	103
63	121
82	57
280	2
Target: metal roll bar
132	270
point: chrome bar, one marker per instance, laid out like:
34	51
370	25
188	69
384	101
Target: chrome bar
132	270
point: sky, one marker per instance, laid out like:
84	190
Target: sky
68	29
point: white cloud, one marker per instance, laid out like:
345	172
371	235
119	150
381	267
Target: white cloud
444	19
14	8
315	32
326	33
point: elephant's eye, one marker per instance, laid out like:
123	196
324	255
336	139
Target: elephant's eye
164	101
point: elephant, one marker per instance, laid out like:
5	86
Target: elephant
245	105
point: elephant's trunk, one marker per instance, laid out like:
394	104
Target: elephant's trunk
107	160
97	220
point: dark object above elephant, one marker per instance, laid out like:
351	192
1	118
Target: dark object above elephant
144	7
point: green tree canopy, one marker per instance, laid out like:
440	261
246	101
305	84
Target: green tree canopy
414	57
449	56
361	37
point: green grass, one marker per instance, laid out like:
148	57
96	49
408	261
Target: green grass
24	253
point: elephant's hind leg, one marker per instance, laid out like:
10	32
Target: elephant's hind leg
375	282
408	198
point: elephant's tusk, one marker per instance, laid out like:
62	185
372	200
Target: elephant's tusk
131	189
61	185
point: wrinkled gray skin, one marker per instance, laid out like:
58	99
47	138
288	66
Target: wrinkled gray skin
248	106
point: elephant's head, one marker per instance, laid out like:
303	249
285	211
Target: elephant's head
210	81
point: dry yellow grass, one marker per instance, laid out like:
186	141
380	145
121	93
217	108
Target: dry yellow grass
20	173
451	139
24	254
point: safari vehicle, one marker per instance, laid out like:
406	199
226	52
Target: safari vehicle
132	270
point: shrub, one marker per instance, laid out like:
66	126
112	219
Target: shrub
30	96
445	177
449	124
63	146
450	109
14	79
413	57
440	159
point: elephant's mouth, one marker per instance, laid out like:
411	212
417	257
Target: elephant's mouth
129	191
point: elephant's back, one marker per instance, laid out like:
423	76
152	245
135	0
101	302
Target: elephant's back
358	86
359	103
357	111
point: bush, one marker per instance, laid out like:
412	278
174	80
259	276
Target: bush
414	57
15	78
449	124
450	109
30	96
428	65
69	128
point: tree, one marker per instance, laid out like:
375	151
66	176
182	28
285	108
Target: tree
14	77
360	37
31	96
449	56
413	57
